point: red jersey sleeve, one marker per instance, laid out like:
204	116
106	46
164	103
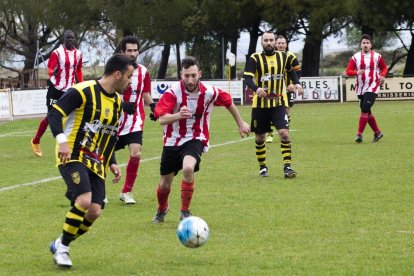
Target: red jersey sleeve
147	83
223	99
52	63
351	69
382	66
79	73
165	105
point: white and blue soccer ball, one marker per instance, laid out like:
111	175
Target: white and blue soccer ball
193	232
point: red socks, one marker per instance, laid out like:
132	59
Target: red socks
41	130
162	197
187	190
373	123
131	174
363	120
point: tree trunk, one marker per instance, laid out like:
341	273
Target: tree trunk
254	36
409	63
311	56
165	55
177	49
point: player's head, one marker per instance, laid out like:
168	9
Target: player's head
190	73
120	67
130	46
281	43
365	43
69	39
268	42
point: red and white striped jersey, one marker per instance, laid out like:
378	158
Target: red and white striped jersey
63	66
140	83
374	66
200	104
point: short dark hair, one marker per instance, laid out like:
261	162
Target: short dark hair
280	36
118	62
365	36
128	39
189	61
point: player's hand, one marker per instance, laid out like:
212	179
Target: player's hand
117	173
152	116
129	108
299	88
291	88
244	129
64	152
360	72
185	113
382	80
261	92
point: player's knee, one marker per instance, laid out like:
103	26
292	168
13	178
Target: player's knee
284	135
136	155
188	171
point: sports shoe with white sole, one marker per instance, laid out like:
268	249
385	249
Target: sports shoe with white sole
160	216
358	139
60	253
288	172
185	214
263	171
127	198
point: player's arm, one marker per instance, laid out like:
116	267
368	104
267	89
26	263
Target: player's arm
383	67
79	73
52	64
164	110
351	69
64	106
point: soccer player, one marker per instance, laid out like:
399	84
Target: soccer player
86	140
264	74
281	45
370	70
64	69
131	126
184	111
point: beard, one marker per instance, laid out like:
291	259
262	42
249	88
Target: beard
268	50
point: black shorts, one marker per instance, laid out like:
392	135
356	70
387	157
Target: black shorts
130	138
366	101
52	96
172	157
79	180
262	118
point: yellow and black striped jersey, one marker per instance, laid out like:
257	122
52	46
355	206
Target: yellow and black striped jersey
295	67
90	124
268	71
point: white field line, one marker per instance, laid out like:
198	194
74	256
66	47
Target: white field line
49	179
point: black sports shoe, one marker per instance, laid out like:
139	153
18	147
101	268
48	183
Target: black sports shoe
160	215
377	137
358	139
289	172
185	214
263	171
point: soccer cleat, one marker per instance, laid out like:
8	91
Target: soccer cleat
269	138
160	216
377	137
60	253
127	198
289	172
263	171
358	139
37	150
185	214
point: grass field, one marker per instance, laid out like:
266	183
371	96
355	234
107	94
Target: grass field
350	210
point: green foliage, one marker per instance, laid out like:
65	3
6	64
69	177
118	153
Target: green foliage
348	212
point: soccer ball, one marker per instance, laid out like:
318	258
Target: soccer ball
193	232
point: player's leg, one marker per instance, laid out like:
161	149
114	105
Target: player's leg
76	177
363	117
371	97
260	125
280	120
191	152
134	142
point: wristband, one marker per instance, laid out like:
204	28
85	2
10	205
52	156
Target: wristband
61	138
